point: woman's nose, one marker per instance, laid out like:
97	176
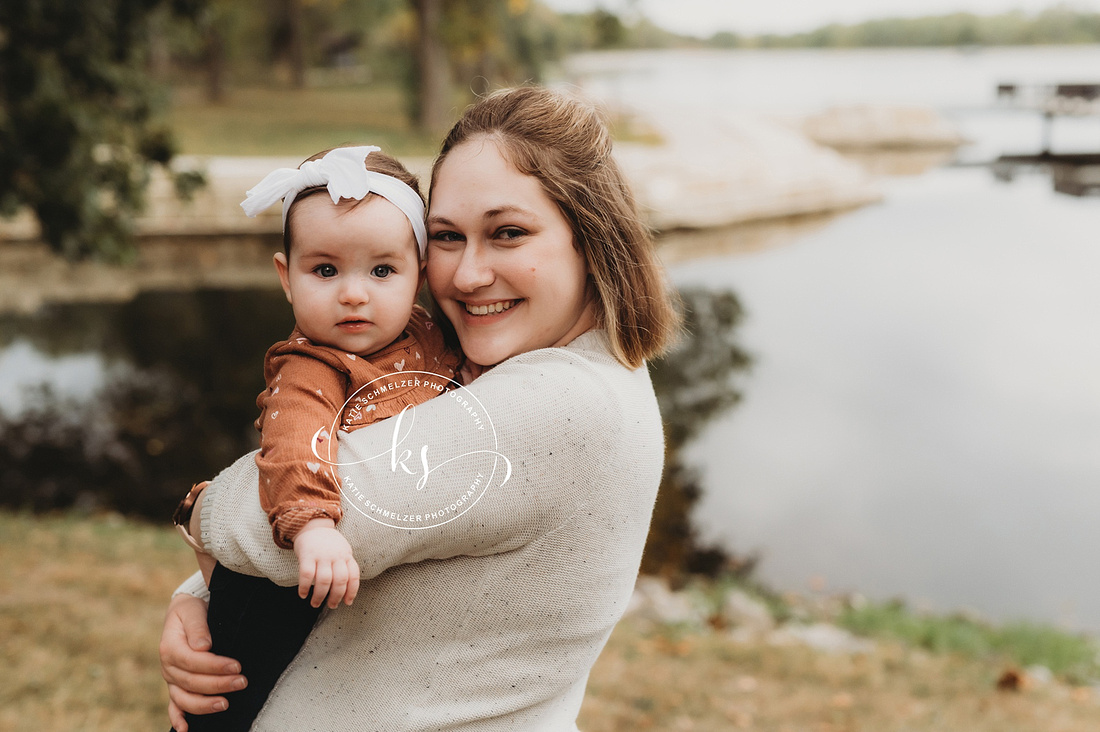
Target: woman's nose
474	269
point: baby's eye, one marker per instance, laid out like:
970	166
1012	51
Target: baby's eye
325	270
382	271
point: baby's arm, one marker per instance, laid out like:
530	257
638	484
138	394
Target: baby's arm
326	563
297	488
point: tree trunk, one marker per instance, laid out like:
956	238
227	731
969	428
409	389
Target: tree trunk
215	63
295	45
433	89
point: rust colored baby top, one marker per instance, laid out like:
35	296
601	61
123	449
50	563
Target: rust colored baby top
311	390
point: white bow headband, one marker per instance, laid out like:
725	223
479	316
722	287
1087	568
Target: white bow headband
342	171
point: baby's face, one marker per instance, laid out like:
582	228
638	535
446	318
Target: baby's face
353	273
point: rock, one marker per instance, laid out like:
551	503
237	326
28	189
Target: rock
654	601
1039	675
821	637
711	171
729	169
214	209
746	613
863	127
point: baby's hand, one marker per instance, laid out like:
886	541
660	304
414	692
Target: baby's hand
469	372
325	562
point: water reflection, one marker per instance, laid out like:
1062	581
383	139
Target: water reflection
694	384
143	398
923	412
1073	175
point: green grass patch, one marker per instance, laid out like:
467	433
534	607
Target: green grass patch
1073	656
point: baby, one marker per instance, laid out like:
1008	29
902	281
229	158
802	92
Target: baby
351	269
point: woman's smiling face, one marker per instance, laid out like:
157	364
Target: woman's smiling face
501	259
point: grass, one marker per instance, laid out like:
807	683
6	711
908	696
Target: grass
81	604
1069	655
706	682
288	122
299	122
82	601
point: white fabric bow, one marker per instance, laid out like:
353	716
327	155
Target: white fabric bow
343	172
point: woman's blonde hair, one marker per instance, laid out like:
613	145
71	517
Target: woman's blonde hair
565	144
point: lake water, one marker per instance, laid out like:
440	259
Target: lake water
923	416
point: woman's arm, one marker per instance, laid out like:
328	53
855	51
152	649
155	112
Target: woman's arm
545	416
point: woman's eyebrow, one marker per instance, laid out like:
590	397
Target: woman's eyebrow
441	220
488	215
507	209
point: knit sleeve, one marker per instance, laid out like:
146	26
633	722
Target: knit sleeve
547	423
302	404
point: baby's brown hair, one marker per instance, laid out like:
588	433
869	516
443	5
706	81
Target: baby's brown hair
376	161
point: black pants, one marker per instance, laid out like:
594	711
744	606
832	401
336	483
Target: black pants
261	625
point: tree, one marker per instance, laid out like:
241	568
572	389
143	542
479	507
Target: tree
77	136
433	70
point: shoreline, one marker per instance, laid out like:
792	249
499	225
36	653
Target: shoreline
732	184
701	172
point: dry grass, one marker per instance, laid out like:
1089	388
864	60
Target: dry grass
704	681
81	604
82	600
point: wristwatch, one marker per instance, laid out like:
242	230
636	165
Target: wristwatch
182	516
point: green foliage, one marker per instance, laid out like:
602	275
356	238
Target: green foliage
77	136
1026	644
610	32
1059	25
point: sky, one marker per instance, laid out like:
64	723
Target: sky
749	17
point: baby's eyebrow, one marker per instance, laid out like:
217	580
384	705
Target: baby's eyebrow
388	254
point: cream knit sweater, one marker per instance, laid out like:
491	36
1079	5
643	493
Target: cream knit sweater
492	620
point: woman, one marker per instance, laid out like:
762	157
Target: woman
491	617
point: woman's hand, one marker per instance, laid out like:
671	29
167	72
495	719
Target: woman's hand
195	676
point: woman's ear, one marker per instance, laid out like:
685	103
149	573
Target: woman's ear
283	269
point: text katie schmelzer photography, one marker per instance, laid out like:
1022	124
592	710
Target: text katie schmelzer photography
444	479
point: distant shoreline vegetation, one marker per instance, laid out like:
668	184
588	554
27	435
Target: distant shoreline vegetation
1060	25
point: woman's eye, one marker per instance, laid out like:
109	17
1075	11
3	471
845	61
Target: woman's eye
382	271
325	270
510	232
445	237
